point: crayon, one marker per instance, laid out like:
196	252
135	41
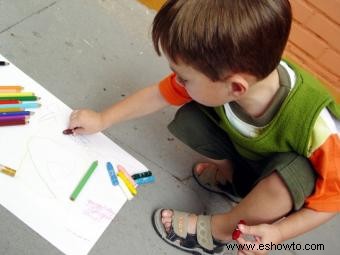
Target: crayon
124	188
128	184
145	180
236	233
116	180
112	174
11	110
10	89
4	63
13	101
141	175
21	106
13	123
18	94
123	170
68	131
22	113
7	170
22	98
84	180
12	118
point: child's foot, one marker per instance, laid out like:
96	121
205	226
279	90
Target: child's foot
187	232
210	177
215	174
166	216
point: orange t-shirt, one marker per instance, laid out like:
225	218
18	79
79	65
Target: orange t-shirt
326	162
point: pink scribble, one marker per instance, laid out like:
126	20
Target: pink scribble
98	212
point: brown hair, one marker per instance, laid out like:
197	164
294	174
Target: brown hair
224	36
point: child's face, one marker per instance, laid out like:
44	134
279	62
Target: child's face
199	87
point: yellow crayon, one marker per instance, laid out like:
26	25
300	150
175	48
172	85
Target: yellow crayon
19	94
12	110
7	170
128	184
122	169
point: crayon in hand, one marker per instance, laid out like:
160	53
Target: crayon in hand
68	131
236	233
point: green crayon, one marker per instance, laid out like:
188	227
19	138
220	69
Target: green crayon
83	181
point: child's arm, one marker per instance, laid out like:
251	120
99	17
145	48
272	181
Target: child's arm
294	225
302	221
141	103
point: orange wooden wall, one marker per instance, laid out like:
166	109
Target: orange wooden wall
154	4
315	39
314	42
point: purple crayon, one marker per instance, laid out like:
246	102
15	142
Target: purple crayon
12	118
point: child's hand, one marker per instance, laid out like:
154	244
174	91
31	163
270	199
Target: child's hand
263	236
86	122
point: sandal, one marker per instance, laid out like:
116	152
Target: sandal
207	180
201	243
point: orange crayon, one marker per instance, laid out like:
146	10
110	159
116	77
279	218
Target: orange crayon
10	89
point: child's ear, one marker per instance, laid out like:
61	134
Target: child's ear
238	85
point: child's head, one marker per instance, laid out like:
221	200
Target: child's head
222	37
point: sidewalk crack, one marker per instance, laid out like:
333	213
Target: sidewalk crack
27	17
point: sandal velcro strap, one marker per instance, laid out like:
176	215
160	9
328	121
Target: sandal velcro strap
203	229
180	223
203	232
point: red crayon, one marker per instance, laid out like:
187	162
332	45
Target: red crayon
236	233
10	102
13	123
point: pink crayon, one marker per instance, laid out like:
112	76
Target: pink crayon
123	170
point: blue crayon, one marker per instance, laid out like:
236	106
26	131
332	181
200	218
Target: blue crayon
112	174
22	113
145	180
20	106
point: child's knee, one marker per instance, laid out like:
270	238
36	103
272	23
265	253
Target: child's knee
276	186
195	129
296	174
184	121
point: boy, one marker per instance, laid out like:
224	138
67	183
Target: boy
265	126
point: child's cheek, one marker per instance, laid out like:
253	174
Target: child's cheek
194	92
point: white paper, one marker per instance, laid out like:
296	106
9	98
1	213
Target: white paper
50	165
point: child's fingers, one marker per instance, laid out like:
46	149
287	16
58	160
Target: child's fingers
74	124
79	131
84	122
74	115
75	120
252	230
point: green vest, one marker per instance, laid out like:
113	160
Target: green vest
291	128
